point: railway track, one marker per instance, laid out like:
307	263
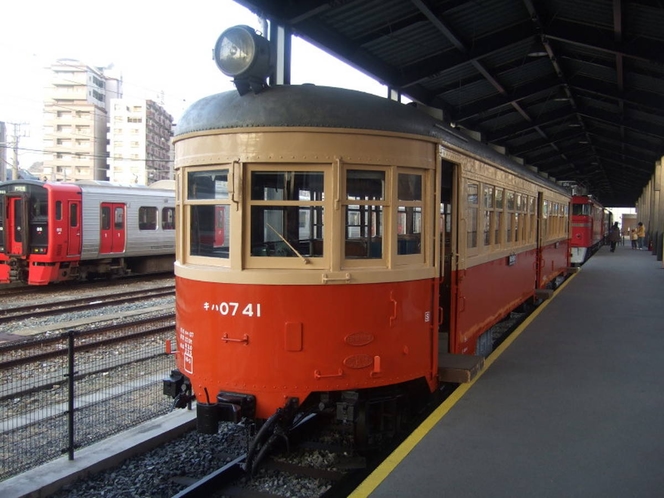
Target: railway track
8	292
86	303
56	349
314	461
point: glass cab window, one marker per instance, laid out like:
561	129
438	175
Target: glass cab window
363	214
209	213
287	214
409	214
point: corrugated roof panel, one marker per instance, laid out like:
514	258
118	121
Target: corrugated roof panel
645	117
515	54
453	78
509	119
545	106
526	73
410	45
588	12
604	105
586	55
356	18
645	82
477	19
469	93
644	21
597	71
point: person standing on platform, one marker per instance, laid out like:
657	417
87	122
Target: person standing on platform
641	235
633	237
614	236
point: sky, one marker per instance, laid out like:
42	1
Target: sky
162	48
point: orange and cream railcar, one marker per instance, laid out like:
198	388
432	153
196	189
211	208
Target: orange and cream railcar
54	232
361	238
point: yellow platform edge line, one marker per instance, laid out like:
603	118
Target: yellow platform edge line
384	469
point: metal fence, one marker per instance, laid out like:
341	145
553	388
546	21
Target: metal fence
78	397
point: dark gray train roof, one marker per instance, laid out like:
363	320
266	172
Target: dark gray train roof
326	107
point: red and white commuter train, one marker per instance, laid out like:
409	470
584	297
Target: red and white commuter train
54	232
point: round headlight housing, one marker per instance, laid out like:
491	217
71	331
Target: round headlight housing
235	50
240	53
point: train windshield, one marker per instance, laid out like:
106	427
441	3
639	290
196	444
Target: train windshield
287	213
581	209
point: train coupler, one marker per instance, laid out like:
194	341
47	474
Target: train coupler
178	387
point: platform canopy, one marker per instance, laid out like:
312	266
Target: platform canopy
574	88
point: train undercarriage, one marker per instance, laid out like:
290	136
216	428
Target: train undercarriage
369	416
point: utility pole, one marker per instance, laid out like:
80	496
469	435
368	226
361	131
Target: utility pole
17	137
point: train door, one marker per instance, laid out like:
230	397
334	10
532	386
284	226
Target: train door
112	236
3	213
74	238
16	226
448	225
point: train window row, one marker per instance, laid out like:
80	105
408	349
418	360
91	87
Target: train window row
148	217
288	212
497	217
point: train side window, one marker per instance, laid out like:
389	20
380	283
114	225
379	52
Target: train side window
472	202
209	198
409	214
207	184
509	218
58	210
73	215
365	198
105	218
118	223
518	219
147	218
209	233
168	219
498	216
489	213
545	220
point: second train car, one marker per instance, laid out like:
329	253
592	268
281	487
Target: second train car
590	224
54	232
365	244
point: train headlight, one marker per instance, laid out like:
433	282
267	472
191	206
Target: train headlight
244	55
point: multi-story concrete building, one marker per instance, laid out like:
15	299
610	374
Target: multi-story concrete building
139	138
75	121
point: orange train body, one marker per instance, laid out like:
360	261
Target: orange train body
280	342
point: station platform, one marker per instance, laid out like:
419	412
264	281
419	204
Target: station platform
571	404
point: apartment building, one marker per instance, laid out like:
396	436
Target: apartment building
75	120
139	138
